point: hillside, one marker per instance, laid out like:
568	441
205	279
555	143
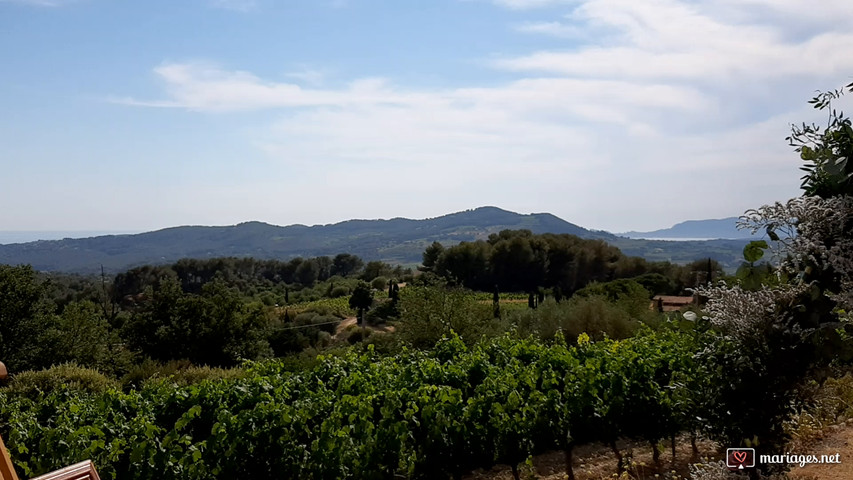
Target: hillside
723	228
398	241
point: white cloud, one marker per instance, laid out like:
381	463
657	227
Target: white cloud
695	41
528	4
667	109
556	29
307	75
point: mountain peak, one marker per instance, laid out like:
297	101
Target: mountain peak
396	240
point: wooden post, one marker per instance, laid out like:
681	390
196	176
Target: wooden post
7	470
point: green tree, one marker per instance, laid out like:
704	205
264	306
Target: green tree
83	335
307	272
213	328
345	264
376	269
25	316
431	256
361	299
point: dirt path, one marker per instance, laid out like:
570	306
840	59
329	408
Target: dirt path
597	462
594	462
350	321
837	439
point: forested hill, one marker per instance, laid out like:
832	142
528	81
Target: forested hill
397	240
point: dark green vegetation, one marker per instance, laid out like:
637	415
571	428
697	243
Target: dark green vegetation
396	241
219	312
519	261
210	312
168	370
416	414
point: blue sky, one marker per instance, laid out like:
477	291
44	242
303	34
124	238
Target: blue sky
612	114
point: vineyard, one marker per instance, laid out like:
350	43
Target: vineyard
436	414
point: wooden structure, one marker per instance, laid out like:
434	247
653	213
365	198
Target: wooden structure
78	471
7	471
671	303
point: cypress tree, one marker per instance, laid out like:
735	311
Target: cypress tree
496	303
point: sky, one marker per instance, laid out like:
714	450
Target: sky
611	114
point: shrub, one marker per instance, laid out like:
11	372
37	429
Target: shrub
593	315
429	313
193	375
356	335
153	369
339	291
383	311
380	283
68	375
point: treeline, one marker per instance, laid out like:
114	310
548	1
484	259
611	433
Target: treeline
519	261
215	312
274	281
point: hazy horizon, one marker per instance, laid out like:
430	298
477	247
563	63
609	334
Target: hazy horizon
613	115
24	236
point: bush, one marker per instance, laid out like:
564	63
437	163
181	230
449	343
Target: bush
380	283
308	329
152	369
428	314
66	376
382	312
593	315
356	335
193	375
339	292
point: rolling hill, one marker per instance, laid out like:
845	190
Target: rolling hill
398	240
723	228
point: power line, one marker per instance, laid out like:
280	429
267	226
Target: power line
294	327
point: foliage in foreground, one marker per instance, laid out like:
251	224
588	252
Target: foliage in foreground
787	332
416	414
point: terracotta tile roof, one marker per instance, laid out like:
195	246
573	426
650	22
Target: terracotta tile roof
670	303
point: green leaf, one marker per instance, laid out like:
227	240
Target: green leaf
754	250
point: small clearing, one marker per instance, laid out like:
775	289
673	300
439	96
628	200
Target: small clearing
351	321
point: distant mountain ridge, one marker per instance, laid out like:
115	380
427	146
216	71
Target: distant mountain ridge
722	228
398	240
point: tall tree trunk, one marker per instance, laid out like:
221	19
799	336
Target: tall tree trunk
515	473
